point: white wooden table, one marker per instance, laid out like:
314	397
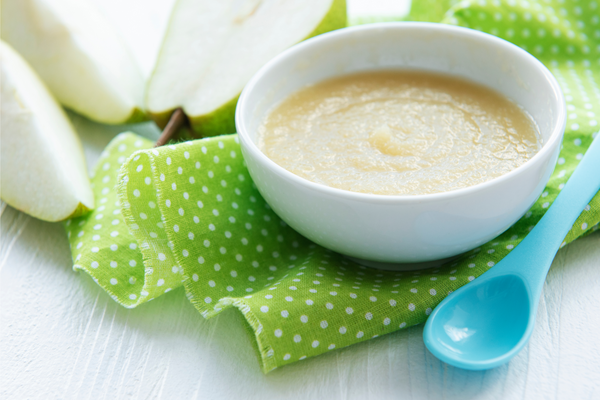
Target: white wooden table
62	337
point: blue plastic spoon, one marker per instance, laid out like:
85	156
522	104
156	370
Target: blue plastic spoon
488	321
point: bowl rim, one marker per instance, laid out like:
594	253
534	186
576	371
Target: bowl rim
249	145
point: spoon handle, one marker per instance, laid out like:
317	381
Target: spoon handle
539	247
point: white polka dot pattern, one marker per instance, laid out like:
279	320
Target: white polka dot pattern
100	241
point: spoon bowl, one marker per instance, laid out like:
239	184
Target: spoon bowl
485	325
487	322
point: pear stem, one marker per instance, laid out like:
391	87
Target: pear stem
177	120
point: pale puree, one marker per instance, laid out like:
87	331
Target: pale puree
398	133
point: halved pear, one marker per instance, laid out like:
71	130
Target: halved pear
79	55
42	168
212	48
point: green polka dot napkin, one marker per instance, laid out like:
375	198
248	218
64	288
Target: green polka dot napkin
189	215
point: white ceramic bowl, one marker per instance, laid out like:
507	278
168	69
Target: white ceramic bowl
404	229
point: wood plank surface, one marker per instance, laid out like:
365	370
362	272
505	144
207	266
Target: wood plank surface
62	337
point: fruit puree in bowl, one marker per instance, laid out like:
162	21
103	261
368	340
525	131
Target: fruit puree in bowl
398	132
395	215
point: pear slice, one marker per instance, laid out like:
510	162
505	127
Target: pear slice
79	55
212	48
42	168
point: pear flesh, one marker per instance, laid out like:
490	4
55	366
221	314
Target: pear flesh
79	55
212	48
42	168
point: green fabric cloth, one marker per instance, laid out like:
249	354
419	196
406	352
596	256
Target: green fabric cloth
189	214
